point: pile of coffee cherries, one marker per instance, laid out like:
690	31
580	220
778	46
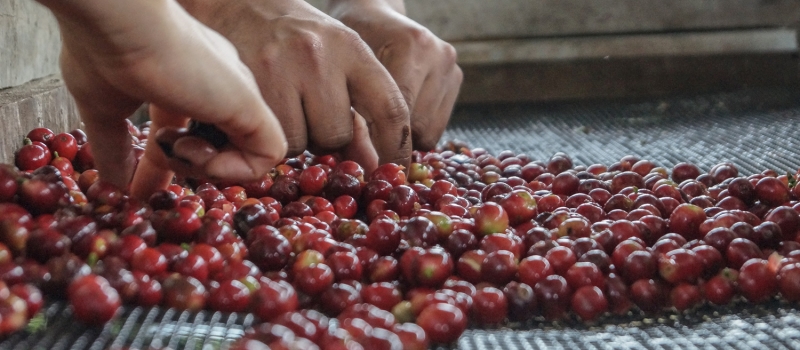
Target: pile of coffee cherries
327	256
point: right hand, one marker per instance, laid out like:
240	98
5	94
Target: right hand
311	70
114	58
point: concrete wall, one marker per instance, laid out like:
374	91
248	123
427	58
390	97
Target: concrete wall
42	102
31	93
29	42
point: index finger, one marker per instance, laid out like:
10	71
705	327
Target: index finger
229	99
376	97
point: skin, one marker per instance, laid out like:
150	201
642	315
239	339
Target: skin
367	89
114	58
423	66
368	55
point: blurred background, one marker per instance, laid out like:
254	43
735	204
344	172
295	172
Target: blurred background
537	50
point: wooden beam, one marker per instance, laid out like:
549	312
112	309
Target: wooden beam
504	19
628	46
625	77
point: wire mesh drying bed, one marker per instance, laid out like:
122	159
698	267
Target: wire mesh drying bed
753	129
773	325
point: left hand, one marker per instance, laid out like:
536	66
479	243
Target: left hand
423	66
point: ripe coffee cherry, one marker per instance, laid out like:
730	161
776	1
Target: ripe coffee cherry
648	295
490	218
685	296
313	180
93	300
684	171
758	280
499	267
686	219
553	296
680	265
230	296
558	163
64	145
584	274
43	135
443	323
274	298
31	157
787	219
789	281
534	269
589	303
772	191
489	306
184	293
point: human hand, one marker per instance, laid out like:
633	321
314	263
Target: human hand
311	69
423	65
114	58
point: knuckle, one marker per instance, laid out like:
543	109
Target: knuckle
421	36
268	57
334	140
396	108
309	45
408	95
295	144
450	55
459	75
356	44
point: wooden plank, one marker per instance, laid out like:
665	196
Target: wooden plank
29	42
625	77
627	46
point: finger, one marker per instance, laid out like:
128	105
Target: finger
327	109
408	72
286	104
375	97
113	151
228	99
192	154
154	172
361	150
149	178
103	110
430	120
427	124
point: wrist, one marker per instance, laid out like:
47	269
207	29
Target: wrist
335	6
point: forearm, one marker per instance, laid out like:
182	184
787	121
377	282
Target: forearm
91	13
397	5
